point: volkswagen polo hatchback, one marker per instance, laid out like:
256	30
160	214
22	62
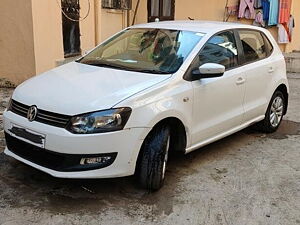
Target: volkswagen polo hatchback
149	90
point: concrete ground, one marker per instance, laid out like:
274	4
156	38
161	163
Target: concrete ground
247	178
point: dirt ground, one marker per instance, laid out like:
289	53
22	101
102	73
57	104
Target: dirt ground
247	178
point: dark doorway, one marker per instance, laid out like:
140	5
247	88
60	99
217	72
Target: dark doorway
70	26
161	9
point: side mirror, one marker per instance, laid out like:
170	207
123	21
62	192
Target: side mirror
208	70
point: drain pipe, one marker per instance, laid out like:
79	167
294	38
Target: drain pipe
96	5
128	18
135	11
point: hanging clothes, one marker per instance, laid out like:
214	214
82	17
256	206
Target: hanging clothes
232	10
257	4
284	11
291	26
273	14
259	19
266	9
246	9
283	36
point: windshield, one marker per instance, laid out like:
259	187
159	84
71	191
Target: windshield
158	51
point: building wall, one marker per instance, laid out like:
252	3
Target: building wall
142	12
295	45
100	24
31	34
48	36
47	27
47	32
112	21
87	25
17	61
214	10
31	31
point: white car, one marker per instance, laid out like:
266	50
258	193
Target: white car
145	92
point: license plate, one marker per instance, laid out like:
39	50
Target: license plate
27	135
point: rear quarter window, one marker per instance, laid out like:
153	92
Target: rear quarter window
269	46
254	45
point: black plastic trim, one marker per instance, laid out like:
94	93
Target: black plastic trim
263	37
23	133
188	74
241	58
267	40
61	162
46	117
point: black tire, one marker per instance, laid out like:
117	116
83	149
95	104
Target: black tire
265	125
152	165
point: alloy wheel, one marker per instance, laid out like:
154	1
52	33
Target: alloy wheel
276	111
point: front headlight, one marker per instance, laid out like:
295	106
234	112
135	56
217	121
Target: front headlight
99	122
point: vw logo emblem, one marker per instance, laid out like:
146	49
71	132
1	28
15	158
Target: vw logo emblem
32	112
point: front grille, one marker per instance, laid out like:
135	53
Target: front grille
50	118
19	108
53	160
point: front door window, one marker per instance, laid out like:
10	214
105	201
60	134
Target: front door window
220	49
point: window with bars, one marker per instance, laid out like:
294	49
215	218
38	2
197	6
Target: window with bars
70	27
161	9
117	4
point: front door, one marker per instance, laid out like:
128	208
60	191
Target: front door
161	9
218	102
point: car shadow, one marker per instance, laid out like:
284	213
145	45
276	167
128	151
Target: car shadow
23	185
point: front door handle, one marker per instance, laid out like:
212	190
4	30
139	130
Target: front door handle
240	80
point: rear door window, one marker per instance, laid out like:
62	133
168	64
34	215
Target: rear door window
253	45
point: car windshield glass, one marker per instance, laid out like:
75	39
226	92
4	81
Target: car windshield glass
157	51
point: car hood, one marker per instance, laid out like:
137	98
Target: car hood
77	88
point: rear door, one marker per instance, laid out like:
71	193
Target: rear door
259	69
218	102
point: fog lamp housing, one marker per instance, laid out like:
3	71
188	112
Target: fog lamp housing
95	160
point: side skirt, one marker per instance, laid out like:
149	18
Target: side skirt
222	135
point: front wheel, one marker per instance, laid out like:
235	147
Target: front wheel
274	114
153	158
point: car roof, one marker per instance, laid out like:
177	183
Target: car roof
201	26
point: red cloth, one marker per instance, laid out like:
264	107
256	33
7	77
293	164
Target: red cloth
284	11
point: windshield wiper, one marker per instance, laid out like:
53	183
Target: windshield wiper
104	64
101	63
152	71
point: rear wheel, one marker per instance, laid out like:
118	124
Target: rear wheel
274	114
154	157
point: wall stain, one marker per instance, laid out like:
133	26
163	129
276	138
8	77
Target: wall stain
5	83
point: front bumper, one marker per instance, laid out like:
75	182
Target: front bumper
125	144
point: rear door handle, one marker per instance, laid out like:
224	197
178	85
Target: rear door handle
240	80
271	70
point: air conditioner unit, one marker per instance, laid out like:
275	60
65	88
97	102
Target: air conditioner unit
117	4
